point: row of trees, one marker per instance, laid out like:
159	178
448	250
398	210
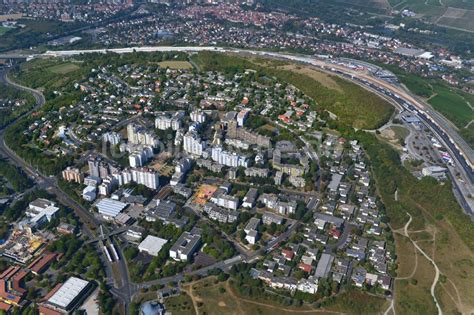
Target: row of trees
15	176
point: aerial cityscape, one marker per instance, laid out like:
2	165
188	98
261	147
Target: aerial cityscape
217	157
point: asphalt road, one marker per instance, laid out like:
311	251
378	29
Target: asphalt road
128	288
456	145
225	265
443	129
90	223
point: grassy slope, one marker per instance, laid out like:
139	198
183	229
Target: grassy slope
355	106
3	30
452	104
179	305
34	32
432	207
43	74
220	298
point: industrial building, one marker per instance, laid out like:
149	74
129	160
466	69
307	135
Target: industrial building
110	208
66	297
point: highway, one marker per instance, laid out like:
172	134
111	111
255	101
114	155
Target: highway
459	150
462	152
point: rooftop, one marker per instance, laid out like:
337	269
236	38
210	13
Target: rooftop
110	207
152	244
66	294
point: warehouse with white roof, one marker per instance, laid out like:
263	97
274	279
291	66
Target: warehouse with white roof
110	208
66	297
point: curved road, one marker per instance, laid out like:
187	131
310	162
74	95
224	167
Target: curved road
90	223
128	288
462	154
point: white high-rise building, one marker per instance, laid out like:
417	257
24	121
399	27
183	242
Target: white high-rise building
193	144
231	159
140	157
242	116
124	177
198	116
183	165
168	121
135	159
112	137
138	135
93	167
147	177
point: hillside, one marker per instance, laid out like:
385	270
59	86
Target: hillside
352	104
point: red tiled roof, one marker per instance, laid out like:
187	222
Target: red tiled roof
46	311
4	306
40	264
305	267
288	253
9	272
50	293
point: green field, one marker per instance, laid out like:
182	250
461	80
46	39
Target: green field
434	210
35	32
63	68
180	305
468	134
453	105
456	14
352	104
9	114
461	4
48	74
400	132
215	298
3	30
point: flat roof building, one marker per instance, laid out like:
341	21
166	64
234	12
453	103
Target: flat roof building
152	245
185	246
324	266
66	297
110	208
250	198
335	181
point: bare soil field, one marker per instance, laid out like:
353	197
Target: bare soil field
176	65
6	17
